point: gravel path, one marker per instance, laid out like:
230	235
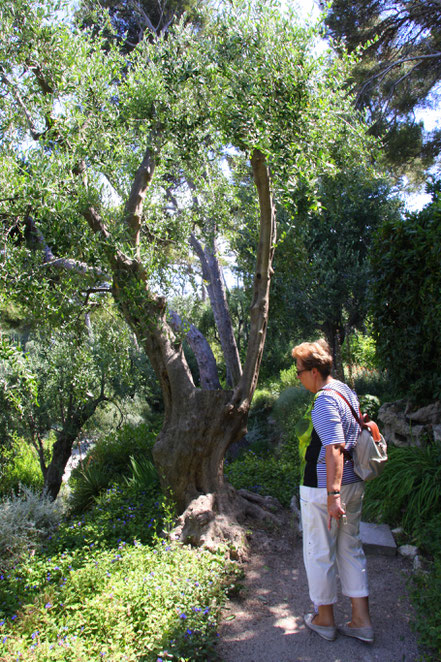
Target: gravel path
265	622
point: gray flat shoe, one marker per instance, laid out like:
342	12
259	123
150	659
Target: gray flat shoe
328	633
363	634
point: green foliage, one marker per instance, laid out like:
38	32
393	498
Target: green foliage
359	349
19	466
109	460
263	401
398	71
274	472
106	586
291	404
370	404
374	382
144	475
322	268
288	378
267	474
408	491
425	592
406	303
17	380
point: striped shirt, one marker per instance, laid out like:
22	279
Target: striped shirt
334	423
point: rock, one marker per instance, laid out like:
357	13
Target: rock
417	564
436	430
402	427
398	531
377	538
408	551
429	414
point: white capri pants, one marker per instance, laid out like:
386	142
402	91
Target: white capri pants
325	552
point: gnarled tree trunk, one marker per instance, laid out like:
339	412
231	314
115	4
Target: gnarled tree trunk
199	424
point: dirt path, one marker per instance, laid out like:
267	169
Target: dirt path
265	622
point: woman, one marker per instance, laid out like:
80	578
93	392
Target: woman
331	497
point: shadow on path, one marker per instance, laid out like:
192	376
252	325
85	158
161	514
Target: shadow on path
265	622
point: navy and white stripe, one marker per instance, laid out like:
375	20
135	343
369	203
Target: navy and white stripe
335	424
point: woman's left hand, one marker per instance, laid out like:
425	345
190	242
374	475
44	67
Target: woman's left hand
335	509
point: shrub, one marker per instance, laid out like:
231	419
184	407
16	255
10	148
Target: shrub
107	461
370	405
144	475
25	518
263	401
134	411
428	535
20	466
288	377
374	382
405	296
362	350
265	475
291	404
409	489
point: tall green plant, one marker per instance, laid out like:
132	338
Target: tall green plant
406	303
409	490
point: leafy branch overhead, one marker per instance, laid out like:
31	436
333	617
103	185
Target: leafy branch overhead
399	71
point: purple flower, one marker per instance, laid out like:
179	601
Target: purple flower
183	616
4	640
47	605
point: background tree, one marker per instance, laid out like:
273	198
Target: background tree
399	71
406	305
322	267
332	295
99	150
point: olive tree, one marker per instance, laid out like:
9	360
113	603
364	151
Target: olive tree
93	138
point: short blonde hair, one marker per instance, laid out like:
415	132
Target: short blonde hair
314	355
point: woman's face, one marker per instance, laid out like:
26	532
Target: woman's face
305	375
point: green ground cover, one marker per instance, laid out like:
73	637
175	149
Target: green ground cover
106	585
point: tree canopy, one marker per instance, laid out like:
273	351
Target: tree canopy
399	70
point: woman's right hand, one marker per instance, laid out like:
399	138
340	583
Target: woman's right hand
335	509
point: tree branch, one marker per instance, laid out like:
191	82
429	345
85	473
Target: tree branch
204	356
16	94
381	74
134	205
60	262
244	391
212	275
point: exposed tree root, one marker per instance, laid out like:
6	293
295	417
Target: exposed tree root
218	520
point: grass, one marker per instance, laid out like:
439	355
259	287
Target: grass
409	490
108	585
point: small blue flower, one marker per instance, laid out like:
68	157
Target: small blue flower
183	616
47	605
